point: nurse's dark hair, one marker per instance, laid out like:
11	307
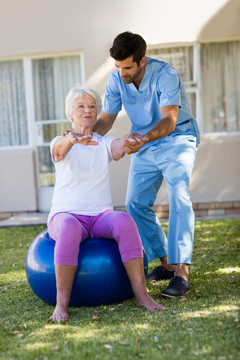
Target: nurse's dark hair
128	44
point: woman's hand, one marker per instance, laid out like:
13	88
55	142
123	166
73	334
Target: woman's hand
77	138
128	144
66	132
64	144
133	142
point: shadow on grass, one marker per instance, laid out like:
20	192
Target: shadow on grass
204	324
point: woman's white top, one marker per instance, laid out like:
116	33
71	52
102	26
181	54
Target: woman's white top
82	184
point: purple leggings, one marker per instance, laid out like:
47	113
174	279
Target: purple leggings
69	230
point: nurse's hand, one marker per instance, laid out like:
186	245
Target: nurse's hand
133	142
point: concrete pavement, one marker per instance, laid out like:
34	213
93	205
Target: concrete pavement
37	218
23	219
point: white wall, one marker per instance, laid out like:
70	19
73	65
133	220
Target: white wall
33	27
30	26
216	176
17	180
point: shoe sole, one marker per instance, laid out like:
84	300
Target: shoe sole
158	279
174	296
168	296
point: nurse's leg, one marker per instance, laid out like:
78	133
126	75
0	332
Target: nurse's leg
68	232
143	184
181	216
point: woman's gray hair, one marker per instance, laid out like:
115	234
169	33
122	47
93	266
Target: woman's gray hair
77	91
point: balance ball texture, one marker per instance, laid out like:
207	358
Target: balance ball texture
100	278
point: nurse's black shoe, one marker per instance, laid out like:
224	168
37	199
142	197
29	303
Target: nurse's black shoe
178	286
160	273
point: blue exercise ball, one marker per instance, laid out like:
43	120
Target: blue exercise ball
100	278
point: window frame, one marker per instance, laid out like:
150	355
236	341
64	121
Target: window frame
36	125
191	86
215	137
195	87
29	95
32	124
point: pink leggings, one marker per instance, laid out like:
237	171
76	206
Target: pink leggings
69	230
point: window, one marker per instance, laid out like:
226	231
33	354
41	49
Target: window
13	114
182	58
32	96
52	79
220	77
217	107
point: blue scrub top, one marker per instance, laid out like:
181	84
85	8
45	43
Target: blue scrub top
161	86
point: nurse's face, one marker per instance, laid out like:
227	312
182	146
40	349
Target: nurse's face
130	71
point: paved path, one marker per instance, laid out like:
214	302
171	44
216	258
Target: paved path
36	218
23	219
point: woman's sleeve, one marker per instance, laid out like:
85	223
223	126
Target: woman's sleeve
108	140
51	146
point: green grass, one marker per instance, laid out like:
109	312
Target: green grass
204	324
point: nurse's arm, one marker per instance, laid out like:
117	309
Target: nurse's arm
104	123
166	125
126	145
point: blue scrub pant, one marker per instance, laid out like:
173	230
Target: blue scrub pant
173	162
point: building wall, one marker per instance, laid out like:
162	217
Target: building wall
46	27
17	180
215	177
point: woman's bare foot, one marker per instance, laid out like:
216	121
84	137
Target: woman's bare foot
60	314
136	276
149	304
64	278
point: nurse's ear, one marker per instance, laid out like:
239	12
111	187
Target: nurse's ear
143	61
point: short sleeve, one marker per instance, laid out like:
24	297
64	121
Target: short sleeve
51	146
112	101
169	86
108	141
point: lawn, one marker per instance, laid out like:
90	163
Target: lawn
203	324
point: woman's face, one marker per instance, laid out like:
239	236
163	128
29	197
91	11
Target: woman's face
84	112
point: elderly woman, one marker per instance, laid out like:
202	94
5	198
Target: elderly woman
82	205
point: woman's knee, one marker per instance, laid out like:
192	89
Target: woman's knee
123	221
68	237
68	223
65	227
125	230
127	236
